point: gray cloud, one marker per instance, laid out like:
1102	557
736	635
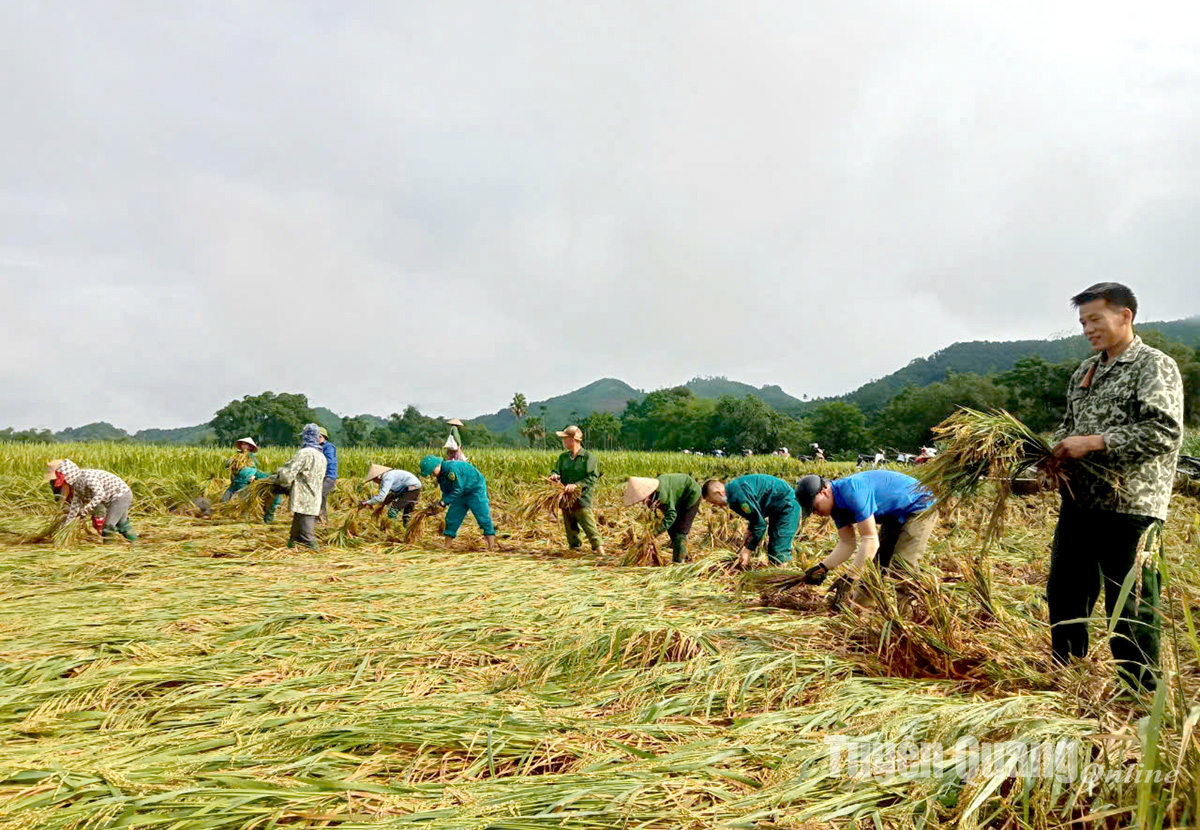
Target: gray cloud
441	204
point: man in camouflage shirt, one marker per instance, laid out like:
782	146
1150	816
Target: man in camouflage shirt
1125	412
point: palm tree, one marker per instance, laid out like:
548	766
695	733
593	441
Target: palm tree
519	406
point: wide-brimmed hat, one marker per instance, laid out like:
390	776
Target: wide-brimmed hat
375	471
52	468
250	441
571	432
430	463
450	444
454	422
638	489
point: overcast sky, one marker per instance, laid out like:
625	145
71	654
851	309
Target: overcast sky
443	203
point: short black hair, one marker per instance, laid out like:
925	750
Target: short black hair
708	486
1119	295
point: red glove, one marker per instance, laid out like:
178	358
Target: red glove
98	523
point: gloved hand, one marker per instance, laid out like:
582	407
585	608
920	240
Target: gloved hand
98	523
840	590
816	574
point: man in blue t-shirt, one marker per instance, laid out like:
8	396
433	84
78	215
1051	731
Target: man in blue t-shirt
880	514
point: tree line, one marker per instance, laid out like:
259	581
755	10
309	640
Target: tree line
676	418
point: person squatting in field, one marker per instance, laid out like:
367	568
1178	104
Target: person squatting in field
463	489
769	506
1125	411
677	497
399	491
579	471
90	490
881	516
302	476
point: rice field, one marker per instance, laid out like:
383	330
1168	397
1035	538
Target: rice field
208	677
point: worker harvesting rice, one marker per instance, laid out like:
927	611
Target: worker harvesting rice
399	491
1124	409
769	506
90	490
243	467
881	516
463	488
454	441
302	476
331	469
677	497
578	471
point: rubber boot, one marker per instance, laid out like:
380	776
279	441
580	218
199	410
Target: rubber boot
125	528
269	513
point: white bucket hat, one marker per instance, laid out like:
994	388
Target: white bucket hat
638	489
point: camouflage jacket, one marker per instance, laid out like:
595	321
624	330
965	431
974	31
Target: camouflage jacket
1135	402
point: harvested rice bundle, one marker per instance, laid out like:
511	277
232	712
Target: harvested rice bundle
60	532
417	522
547	498
250	503
796	598
641	549
976	447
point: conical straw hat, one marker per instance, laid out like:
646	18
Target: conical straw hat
454	422
52	469
638	488
250	441
375	471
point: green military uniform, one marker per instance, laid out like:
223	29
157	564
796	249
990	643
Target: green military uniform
678	497
769	506
582	470
1135	402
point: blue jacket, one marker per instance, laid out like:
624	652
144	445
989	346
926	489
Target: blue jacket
330	459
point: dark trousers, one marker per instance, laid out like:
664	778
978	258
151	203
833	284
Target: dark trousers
1094	549
327	486
402	503
678	532
304	531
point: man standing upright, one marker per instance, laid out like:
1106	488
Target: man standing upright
1124	411
578	470
330	480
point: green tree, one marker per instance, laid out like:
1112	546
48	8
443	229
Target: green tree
356	429
534	431
268	418
1038	391
601	429
839	427
907	420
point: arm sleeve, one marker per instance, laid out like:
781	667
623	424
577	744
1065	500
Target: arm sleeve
592	475
287	473
385	487
669	516
76	506
450	484
756	530
1159	425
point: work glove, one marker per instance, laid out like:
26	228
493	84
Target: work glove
839	591
98	523
816	574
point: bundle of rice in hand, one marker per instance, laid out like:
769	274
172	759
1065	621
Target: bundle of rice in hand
416	522
548	497
60	533
783	588
249	503
977	446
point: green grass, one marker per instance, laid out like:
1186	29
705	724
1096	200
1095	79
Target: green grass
210	678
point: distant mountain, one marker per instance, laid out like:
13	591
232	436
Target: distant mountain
604	395
986	356
772	396
98	431
186	436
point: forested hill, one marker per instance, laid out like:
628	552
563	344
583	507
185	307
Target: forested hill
984	357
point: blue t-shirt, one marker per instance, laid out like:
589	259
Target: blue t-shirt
884	494
330	459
